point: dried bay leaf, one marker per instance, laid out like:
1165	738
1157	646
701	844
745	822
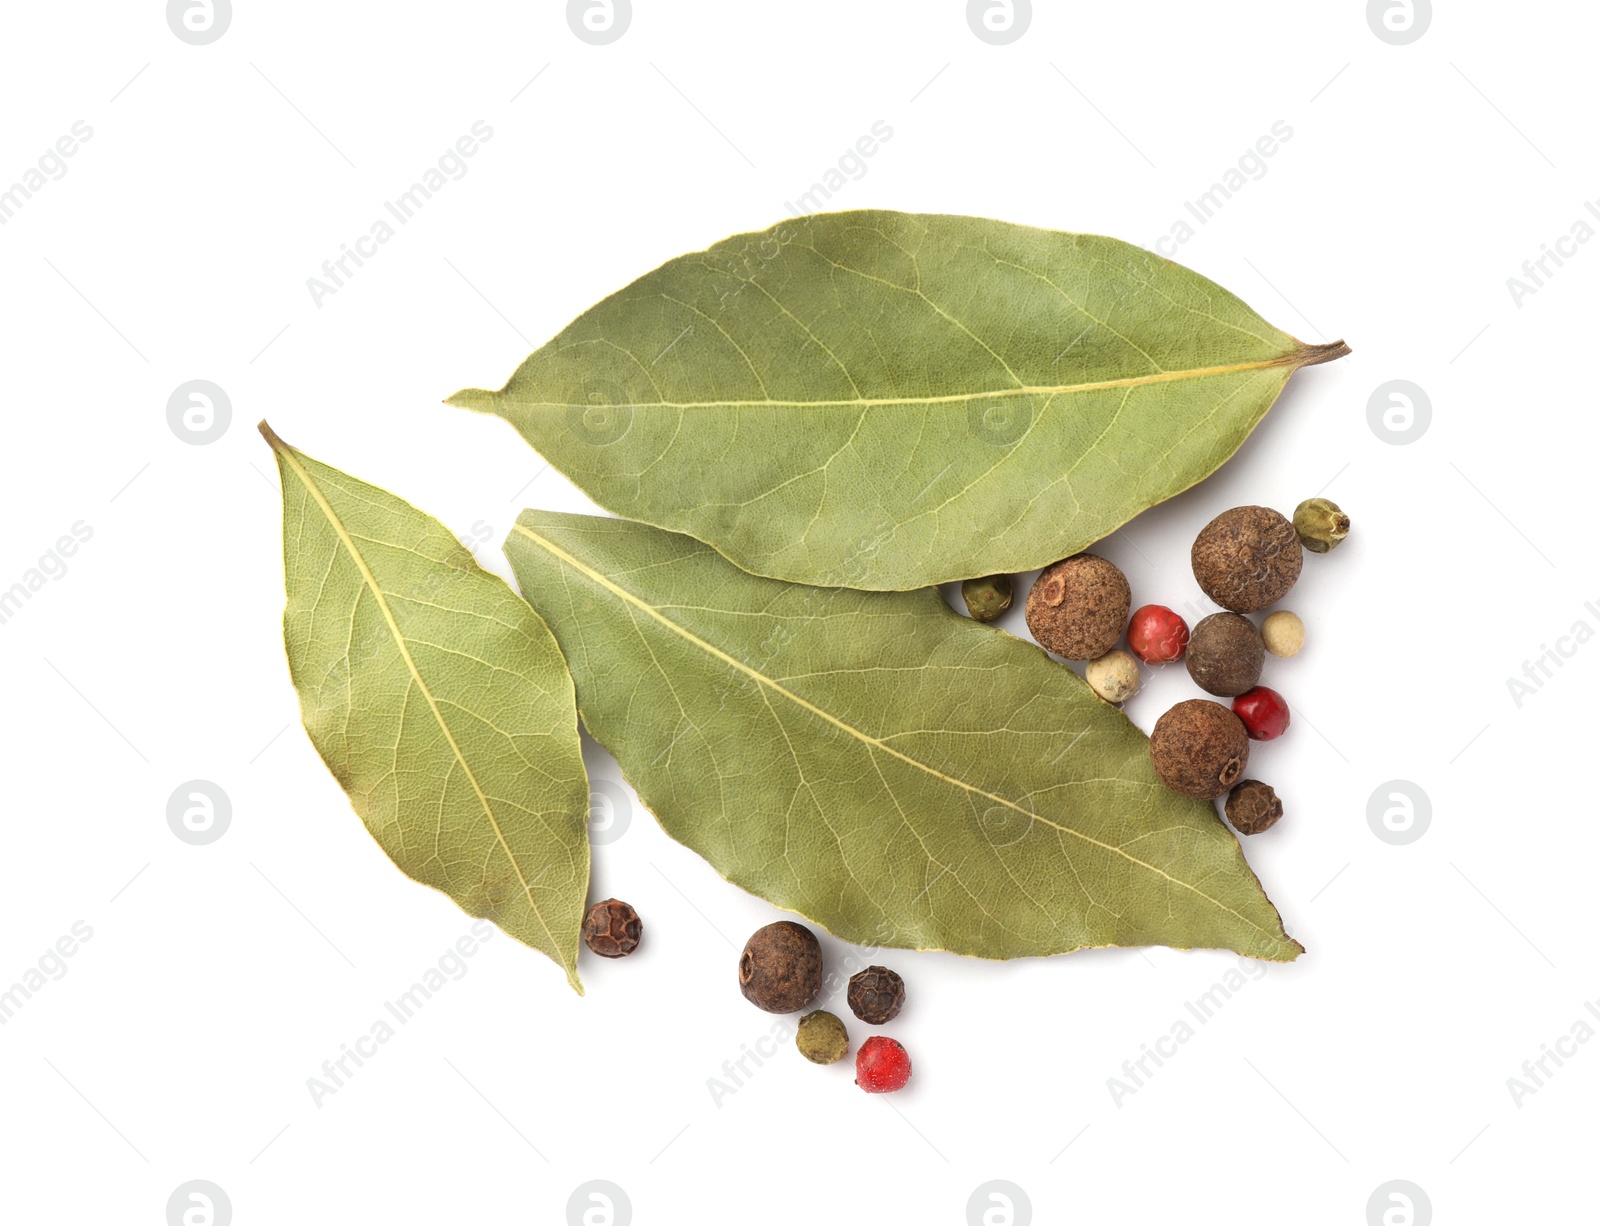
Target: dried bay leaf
889	769
889	400
439	701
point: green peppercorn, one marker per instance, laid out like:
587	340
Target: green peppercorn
822	1038
1320	524
987	598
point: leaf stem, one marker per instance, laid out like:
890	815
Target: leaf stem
1315	355
268	433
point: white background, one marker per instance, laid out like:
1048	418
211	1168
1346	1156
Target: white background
177	246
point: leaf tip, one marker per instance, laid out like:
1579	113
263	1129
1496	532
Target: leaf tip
271	435
1315	355
573	981
474	398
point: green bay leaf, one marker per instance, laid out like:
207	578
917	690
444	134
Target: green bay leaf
888	400
440	702
895	772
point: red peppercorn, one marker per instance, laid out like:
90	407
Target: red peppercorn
1157	635
1264	712
882	1065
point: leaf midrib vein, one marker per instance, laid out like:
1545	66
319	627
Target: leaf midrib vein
762	679
1061	389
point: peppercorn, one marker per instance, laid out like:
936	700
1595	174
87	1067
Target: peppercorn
780	969
1253	806
1157	635
1077	607
876	994
822	1038
1320	524
1283	634
1225	654
1264	711
882	1065
611	929
1114	676
987	598
1199	748
1247	558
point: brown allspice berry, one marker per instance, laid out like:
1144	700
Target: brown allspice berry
1225	654
1253	806
611	929
1078	607
1247	558
780	968
876	994
1199	748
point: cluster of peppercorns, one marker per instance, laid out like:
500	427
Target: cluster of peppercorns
780	970
1245	560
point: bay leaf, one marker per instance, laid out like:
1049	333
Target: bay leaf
440	702
885	767
889	400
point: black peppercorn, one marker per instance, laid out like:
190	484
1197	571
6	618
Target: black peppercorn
780	969
876	994
1253	807
611	929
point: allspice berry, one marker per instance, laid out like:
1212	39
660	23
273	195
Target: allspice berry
1225	654
780	969
1283	633
1199	748
1247	558
1077	608
611	929
1114	676
1253	806
822	1038
876	994
987	598
1321	524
